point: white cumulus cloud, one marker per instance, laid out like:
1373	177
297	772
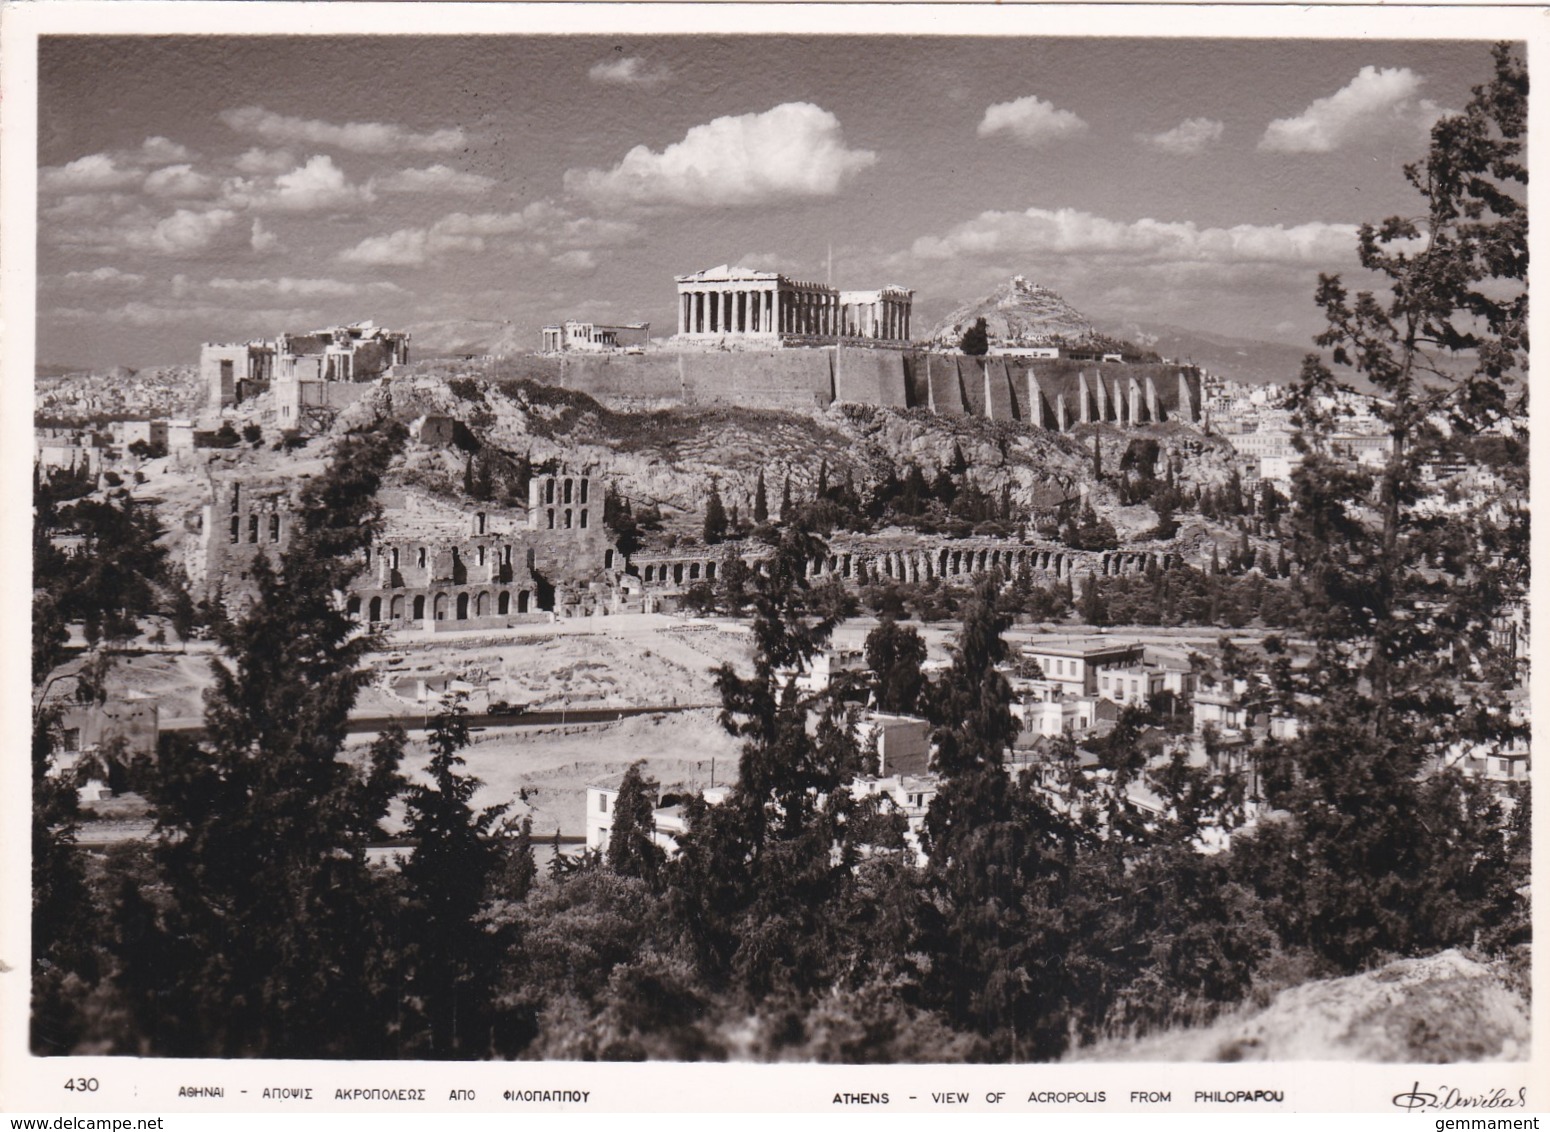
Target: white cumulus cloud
104	277
316	186
578	261
409	247
92	173
178	181
1374	103
259	160
1189	137
1030	120
219	319
437	179
300	288
163	151
1071	232
358	137
262	239
792	151
536	228
629	70
185	232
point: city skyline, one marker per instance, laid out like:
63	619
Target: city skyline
1199	183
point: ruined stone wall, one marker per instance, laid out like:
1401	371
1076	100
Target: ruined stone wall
221	382
751	378
917	388
971	379
944	390
760	378
871	377
245	518
862	559
645	376
1052	393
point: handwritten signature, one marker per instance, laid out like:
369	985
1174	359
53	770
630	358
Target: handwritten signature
1447	1097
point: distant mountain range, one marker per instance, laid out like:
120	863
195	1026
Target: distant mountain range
1248	360
1020	313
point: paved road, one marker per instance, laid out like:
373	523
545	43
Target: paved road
371	724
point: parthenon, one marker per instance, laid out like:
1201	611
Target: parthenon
740	303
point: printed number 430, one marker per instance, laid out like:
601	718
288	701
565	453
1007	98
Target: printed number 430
82	1084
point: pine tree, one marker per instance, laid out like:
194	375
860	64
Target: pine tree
968	704
1394	856
64	931
976	340
821	492
270	941
755	880
452	963
895	653
785	500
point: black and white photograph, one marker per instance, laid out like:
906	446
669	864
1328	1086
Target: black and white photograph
824	546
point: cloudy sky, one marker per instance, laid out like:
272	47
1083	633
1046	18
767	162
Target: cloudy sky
208	188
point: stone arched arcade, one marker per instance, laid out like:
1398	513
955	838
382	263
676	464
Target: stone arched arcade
858	561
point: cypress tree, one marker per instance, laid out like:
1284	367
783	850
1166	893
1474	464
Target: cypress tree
632	850
715	527
761	504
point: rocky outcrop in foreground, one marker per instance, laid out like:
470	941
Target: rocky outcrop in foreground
1442	1009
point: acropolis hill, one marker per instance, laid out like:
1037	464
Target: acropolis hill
760	340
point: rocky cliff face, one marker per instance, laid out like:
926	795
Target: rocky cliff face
670	457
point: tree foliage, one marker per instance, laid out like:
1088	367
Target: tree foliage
895	653
976	340
1401	606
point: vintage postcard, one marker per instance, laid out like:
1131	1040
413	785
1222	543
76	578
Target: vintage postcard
710	557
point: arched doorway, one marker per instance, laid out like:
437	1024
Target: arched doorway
522	601
441	607
503	603
375	609
419	607
462	607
